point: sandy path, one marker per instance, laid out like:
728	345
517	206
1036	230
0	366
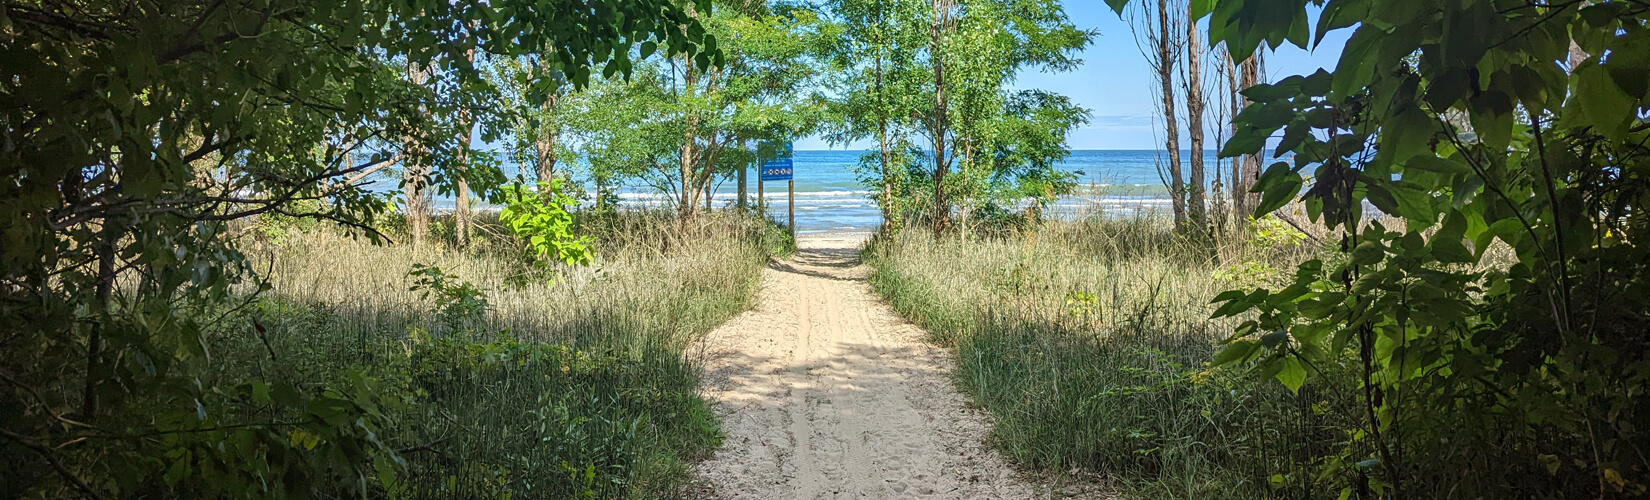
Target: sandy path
825	393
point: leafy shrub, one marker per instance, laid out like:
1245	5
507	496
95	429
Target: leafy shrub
456	304
542	221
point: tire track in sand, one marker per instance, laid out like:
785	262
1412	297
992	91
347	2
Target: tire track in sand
825	393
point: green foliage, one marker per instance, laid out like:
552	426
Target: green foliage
541	220
1267	235
590	422
275	227
456	304
137	132
679	128
999	145
1511	125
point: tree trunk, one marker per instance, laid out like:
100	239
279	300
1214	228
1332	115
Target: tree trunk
1165	75
1198	205
886	200
545	144
742	182
939	123
689	202
415	175
1245	181
1238	192
461	205
105	293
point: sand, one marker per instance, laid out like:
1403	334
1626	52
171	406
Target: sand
825	393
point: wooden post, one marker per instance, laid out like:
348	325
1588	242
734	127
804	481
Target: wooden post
791	188
761	200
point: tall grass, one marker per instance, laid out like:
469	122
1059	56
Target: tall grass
567	384
1088	342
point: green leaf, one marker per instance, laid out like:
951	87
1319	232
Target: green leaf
1200	8
1232	307
1599	102
1446	243
1430	163
180	468
1274	339
1318	83
1277	193
1292	374
1237	351
1492	115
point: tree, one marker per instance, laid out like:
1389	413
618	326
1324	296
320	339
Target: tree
679	126
535	131
136	131
1158	30
937	121
905	69
875	87
1197	205
1477	127
1008	142
1246	168
415	176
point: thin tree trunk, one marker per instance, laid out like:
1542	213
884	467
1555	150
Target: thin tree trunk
1165	75
886	202
690	192
1238	191
1198	205
939	124
545	144
461	205
1251	162
689	202
415	174
94	340
742	182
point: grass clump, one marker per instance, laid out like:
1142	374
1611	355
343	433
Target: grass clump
501	377
1088	341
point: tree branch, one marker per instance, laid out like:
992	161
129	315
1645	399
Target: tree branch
47	454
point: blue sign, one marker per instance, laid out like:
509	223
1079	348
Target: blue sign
776	160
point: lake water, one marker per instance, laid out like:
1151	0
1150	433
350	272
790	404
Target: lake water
829	196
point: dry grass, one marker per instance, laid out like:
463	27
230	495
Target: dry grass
572	383
642	260
1088	342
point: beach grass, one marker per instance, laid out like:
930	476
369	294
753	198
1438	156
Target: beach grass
509	380
1088	341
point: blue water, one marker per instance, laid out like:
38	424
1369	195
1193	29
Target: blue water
829	196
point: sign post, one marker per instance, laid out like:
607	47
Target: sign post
777	166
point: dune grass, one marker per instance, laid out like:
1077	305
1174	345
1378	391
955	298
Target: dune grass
504	380
1088	342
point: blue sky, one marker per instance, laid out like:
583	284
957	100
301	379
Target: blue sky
1115	84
